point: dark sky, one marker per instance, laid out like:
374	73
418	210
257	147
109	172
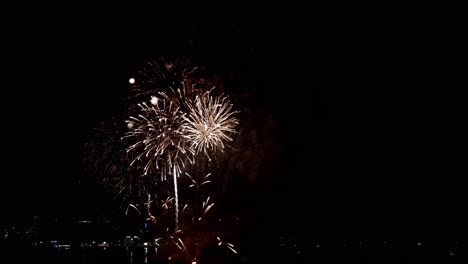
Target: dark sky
365	132
66	81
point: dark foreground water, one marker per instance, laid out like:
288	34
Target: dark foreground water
282	251
116	255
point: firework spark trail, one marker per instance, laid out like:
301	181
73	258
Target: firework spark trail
166	203
134	207
196	183
227	245
175	174
150	217
206	206
209	122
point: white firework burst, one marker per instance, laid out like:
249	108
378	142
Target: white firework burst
209	123
159	137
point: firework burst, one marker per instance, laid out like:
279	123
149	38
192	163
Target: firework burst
209	123
161	143
107	160
174	125
160	137
159	74
174	77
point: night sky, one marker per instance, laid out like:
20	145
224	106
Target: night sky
363	128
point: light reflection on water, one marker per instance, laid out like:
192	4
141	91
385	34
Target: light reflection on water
137	255
128	255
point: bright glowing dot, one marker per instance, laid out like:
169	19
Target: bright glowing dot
419	243
130	125
131	80
154	100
